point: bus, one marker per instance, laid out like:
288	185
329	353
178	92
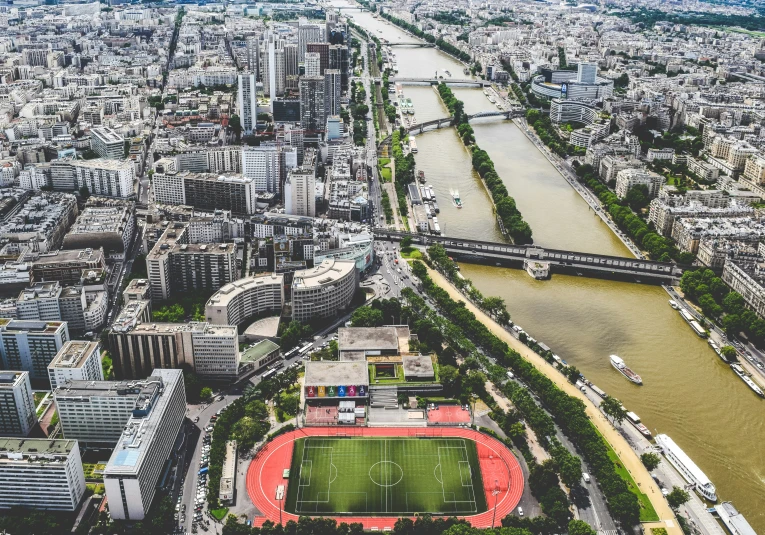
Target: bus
304	349
270	373
291	353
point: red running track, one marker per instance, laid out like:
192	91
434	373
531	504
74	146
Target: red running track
499	468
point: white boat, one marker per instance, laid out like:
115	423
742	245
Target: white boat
738	370
716	349
687	468
619	364
634	419
673	304
456	198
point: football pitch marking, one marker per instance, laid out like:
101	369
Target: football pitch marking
448	497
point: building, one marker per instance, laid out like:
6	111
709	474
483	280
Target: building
749	281
228	474
246	298
95	412
570	85
174	265
76	361
247	99
342	379
627	179
324	290
17	406
137	348
300	188
206	191
261	354
103	224
66	266
107	143
309	33
31	345
688	232
332	91
264	165
313	64
48	301
313	114
105	177
40	474
145	445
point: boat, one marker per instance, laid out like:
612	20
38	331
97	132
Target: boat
619	364
421	176
436	209
673	304
733	520
717	350
456	198
634	419
738	370
697	328
412	145
687	468
491	99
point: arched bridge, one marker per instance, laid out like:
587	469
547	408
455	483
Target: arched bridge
571	262
446	122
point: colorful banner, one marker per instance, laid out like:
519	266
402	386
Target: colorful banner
341	391
310	392
352	391
362	390
331	391
322	391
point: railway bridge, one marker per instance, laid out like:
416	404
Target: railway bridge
560	261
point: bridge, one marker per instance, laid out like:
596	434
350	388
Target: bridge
435	81
446	122
570	262
413	44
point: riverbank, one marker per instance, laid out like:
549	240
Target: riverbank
626	455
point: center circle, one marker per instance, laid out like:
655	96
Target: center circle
386	474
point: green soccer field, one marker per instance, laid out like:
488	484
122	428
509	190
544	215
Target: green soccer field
385	476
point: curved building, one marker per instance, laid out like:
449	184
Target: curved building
244	298
324	290
582	84
577	111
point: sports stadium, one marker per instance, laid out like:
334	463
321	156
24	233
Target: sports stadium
358	456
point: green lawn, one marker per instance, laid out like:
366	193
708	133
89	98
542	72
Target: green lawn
385	476
220	513
386	174
411	253
90	471
647	512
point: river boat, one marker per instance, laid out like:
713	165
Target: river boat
717	350
733	520
412	145
491	99
738	370
687	468
421	176
619	364
456	198
634	419
436	209
673	304
697	328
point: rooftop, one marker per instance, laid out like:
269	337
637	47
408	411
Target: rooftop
418	366
39	446
329	271
108	389
224	296
258	351
367	339
73	354
9	379
330	373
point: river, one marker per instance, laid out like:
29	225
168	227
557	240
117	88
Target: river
688	393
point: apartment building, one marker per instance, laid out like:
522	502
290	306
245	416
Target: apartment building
40	474
105	177
66	266
136	464
78	360
206	191
107	143
324	290
264	165
246	298
31	345
17	407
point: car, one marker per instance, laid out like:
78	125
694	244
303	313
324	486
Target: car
520	511
196	419
586	477
664	492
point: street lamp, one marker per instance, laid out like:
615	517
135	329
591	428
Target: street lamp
495	493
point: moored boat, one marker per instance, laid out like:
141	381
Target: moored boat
619	364
687	468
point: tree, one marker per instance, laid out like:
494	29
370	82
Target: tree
637	197
406	242
367	317
729	352
580	527
206	393
677	497
614	409
236	125
650	460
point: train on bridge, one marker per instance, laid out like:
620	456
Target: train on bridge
559	261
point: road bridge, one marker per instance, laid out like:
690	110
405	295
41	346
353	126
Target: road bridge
466	82
569	262
413	44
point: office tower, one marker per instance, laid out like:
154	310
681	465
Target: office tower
17	406
312	100
263	165
40	474
274	74
334	128
247	102
291	64
253	54
78	360
95	412
312	64
332	80
338	59
137	462
31	345
107	143
586	73
331	20
323	50
300	188
308	33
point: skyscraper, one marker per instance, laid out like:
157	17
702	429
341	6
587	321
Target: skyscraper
332	80
247	102
312	64
263	165
309	33
338	59
253	54
312	101
274	67
323	50
300	188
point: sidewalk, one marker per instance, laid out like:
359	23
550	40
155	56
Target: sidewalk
626	455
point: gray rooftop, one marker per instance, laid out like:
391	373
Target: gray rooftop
367	339
416	366
331	373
